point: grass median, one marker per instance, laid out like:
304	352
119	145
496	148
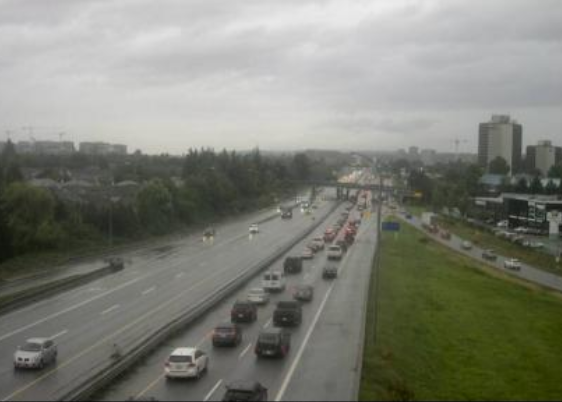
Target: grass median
449	328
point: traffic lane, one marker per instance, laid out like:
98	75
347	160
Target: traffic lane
190	261
336	342
59	375
527	272
148	380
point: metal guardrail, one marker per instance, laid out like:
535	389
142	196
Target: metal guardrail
87	387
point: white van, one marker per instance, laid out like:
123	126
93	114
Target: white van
274	281
335	252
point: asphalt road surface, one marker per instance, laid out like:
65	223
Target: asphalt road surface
324	360
120	309
527	272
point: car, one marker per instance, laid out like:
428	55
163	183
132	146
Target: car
318	243
287	313
329	235
446	235
186	363
227	334
502	224
292	265
343	245
274	281
254	228
304	293
251	391
533	244
335	252
36	353
258	296
307	254
273	342
287	214
243	311
466	245
330	272
209	232
116	263
489	255
512	263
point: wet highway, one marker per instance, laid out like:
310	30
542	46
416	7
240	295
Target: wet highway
324	360
120	309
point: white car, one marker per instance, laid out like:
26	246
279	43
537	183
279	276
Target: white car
186	363
512	263
258	296
335	252
274	281
502	224
318	242
466	245
254	228
36	353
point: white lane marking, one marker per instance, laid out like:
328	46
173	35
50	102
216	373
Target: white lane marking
66	310
245	351
109	310
268	323
59	334
179	275
298	357
211	392
147	291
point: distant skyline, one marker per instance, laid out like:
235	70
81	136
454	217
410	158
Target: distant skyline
164	76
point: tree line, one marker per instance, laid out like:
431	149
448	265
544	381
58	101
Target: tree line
173	193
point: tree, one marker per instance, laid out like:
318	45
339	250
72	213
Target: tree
550	188
154	204
555	171
9	166
522	186
30	218
499	166
536	186
301	165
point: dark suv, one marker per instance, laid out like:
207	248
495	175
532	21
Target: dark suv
330	272
245	391
273	342
292	265
243	311
227	334
287	313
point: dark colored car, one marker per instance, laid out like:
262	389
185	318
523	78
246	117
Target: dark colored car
330	272
244	311
489	255
273	342
227	334
287	214
245	391
287	313
209	232
304	293
292	265
343	244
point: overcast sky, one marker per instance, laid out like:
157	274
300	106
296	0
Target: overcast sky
166	75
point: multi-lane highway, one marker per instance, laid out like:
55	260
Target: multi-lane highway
90	322
325	357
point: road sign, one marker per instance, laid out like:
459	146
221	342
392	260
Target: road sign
391	226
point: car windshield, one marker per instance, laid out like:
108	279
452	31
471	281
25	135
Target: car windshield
32	347
237	395
256	292
179	359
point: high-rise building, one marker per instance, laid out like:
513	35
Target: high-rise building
503	137
542	157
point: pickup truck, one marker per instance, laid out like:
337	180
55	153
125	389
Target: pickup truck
287	313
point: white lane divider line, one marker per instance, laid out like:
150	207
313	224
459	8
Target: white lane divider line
268	323
245	351
298	357
149	290
66	310
211	392
179	275
109	310
59	334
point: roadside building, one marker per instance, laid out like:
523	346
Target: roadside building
500	137
542	157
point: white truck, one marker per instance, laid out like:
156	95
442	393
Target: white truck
274	281
428	218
